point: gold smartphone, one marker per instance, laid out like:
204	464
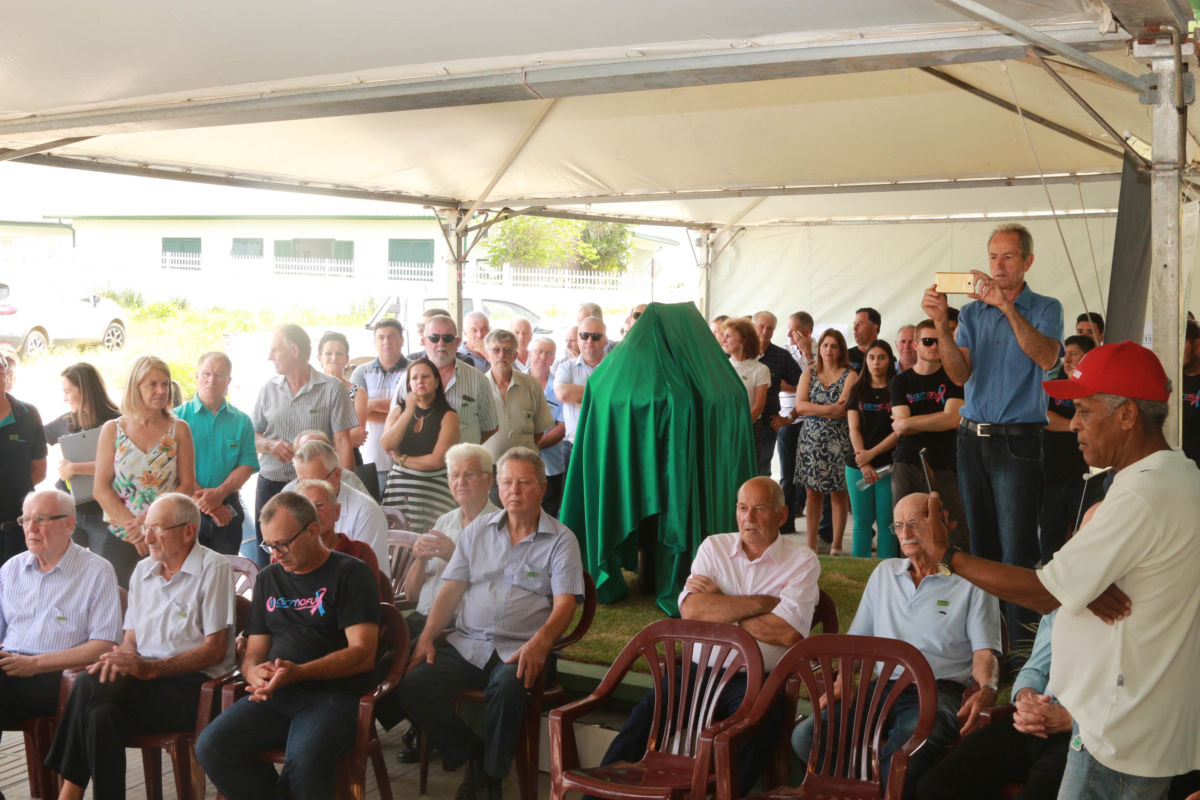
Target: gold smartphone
955	282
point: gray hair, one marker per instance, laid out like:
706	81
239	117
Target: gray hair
316	483
591	309
1153	412
63	502
529	457
312	433
314	451
215	354
296	504
543	340
501	337
466	451
774	319
443	318
183	508
1024	237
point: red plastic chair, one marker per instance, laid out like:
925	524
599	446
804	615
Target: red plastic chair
352	767
844	761
678	758
400	548
536	698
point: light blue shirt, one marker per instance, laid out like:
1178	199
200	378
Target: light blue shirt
556	456
1005	386
1036	672
946	618
44	612
573	371
510	588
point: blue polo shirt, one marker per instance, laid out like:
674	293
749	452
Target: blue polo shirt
1005	386
222	441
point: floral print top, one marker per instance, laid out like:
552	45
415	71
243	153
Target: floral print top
140	477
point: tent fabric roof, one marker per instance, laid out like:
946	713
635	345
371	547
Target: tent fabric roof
663	110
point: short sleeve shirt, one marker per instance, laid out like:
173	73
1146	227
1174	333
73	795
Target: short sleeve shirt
556	455
450	524
787	570
783	369
379	383
306	615
510	588
522	414
575	372
946	618
22	441
1005	386
1130	686
223	441
323	403
171	617
926	394
470	395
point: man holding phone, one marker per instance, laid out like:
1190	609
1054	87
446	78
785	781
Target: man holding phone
1005	342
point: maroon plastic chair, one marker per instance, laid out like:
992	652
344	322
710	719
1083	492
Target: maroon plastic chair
352	767
844	761
537	697
400	549
678	758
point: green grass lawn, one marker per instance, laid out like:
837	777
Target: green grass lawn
842	578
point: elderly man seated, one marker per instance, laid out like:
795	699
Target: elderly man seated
178	634
955	625
518	576
348	476
324	499
754	578
469	471
361	518
58	609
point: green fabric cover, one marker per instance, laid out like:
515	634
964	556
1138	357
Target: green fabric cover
663	443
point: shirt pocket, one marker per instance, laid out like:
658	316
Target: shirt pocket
529	581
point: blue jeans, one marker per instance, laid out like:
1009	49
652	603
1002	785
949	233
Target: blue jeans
785	445
1001	482
315	728
1087	779
867	506
900	725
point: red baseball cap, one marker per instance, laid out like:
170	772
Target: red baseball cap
1125	370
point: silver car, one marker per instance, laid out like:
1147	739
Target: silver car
36	319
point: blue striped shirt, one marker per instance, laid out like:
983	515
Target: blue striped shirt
323	404
510	588
44	612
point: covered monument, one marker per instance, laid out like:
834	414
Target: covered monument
663	443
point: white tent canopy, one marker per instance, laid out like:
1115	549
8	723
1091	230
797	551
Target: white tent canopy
679	112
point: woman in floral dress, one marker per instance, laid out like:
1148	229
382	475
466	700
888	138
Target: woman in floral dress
824	442
144	453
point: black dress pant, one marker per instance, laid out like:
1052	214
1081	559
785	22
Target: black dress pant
99	717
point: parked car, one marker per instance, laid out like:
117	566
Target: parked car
36	319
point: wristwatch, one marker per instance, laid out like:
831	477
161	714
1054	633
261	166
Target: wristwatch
993	686
944	567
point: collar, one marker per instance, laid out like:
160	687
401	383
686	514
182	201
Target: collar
1024	300
19	409
68	564
771	554
191	564
399	366
314	378
499	519
196	406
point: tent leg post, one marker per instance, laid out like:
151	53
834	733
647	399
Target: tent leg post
1169	112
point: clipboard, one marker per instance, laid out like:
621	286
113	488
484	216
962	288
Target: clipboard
80	447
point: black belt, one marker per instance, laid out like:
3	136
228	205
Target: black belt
993	429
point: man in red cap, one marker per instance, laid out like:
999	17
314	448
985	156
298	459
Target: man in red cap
1126	670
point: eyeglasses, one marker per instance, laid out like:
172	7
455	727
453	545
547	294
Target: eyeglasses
216	376
898	527
283	547
39	520
595	337
499	350
434	338
928	341
157	530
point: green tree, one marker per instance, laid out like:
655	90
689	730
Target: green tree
559	243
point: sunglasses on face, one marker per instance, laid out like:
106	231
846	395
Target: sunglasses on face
928	341
434	338
595	337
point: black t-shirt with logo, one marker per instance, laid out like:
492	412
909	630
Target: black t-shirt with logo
306	616
874	408
22	441
926	394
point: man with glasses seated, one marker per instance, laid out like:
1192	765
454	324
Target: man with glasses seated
178	634
955	625
77	615
515	577
572	374
519	399
223	438
467	390
313	631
